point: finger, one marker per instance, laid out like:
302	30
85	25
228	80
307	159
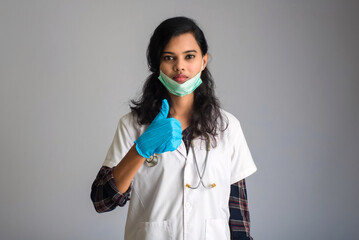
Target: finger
175	123
164	110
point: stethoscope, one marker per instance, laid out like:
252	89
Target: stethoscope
153	161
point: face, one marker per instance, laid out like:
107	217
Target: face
182	57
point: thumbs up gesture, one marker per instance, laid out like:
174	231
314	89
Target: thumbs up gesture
163	135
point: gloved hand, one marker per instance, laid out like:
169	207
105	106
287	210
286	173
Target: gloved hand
163	135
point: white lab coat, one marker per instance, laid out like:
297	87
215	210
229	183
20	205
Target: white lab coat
161	207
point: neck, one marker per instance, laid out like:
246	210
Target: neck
182	106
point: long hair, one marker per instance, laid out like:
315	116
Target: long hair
206	119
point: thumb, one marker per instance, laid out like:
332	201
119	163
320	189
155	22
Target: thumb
164	110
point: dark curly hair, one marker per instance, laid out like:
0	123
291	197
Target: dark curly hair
206	119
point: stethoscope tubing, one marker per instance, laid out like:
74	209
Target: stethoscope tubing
153	161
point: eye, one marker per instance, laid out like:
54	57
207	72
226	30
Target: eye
190	56
167	58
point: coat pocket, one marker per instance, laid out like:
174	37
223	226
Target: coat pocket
155	231
217	229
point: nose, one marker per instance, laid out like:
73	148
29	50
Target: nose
179	65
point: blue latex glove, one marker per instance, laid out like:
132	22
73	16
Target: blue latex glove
163	135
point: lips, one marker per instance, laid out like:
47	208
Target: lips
180	78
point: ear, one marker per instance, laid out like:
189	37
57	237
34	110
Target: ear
205	61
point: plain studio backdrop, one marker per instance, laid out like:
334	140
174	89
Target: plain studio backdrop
288	70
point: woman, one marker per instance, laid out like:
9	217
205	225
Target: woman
181	157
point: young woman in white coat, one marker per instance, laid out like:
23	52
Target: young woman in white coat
177	153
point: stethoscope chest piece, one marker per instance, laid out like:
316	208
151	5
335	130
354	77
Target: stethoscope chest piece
152	161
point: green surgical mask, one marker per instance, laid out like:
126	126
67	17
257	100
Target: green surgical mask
181	89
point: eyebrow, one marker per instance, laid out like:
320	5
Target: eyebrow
189	51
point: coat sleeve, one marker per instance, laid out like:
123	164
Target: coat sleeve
242	164
126	133
104	193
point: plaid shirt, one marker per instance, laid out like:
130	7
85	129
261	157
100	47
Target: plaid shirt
106	197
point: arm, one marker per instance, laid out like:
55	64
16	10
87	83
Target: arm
164	134
126	170
112	186
110	183
239	220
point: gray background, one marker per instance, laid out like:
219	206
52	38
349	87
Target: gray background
287	69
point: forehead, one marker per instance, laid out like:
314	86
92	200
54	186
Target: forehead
182	43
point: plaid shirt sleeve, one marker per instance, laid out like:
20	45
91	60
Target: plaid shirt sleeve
104	193
239	220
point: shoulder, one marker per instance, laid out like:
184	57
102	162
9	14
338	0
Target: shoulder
233	129
128	127
129	121
230	119
127	118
